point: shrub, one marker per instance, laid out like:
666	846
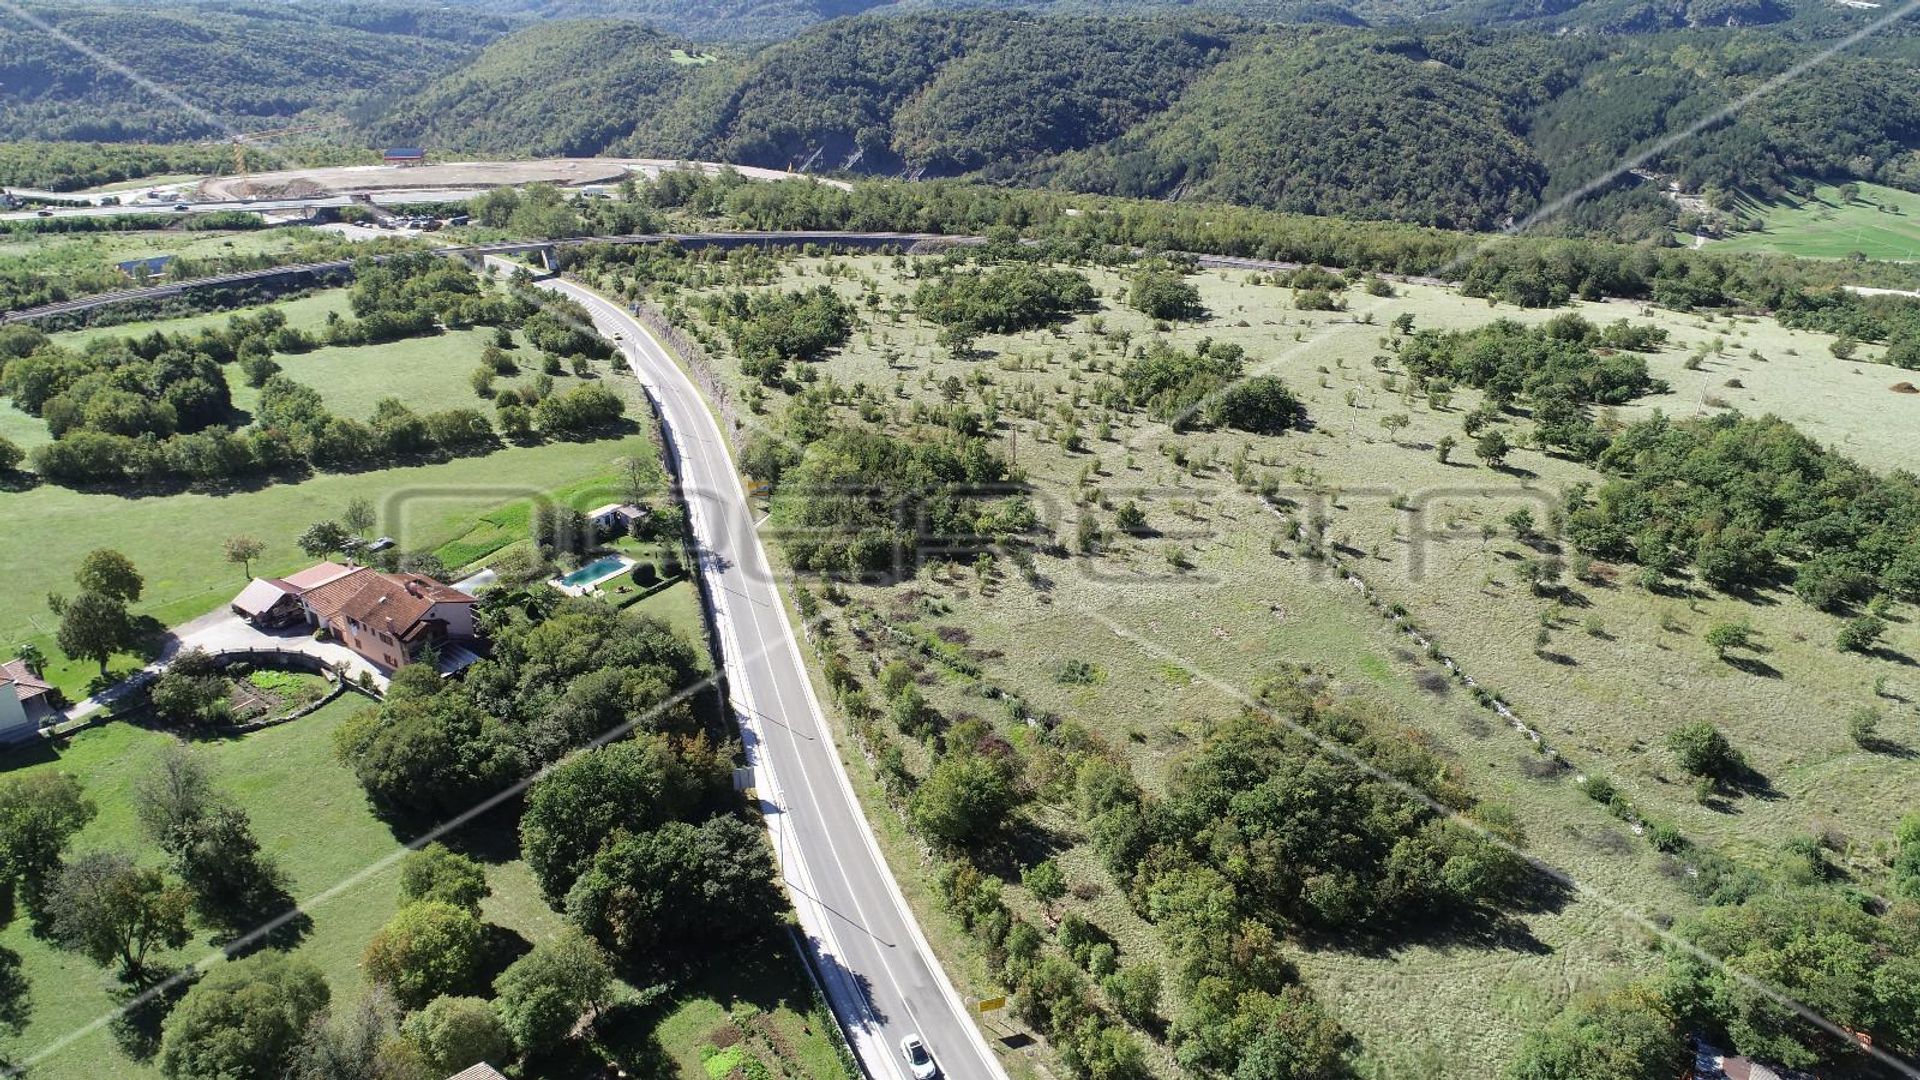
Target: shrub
453	1033
427	949
436	873
1703	750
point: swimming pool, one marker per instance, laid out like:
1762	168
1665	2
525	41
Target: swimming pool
603	567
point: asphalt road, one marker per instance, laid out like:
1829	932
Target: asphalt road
875	964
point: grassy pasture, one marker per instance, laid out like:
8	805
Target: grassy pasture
1881	223
1176	648
309	814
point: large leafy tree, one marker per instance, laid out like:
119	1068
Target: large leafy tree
428	948
676	885
244	1021
234	883
109	909
633	785
452	1033
111	574
94	626
437	873
965	800
1624	1033
542	995
39	813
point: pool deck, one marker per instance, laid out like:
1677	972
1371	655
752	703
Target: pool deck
587	588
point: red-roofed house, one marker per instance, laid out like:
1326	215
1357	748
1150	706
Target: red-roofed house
26	702
388	618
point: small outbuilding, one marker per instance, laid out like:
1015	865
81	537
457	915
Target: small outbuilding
615	518
268	603
404	156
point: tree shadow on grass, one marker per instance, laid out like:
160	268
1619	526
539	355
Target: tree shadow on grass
1752	665
1479	926
499	949
137	1028
1888	748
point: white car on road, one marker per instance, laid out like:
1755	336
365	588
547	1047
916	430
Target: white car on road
918	1060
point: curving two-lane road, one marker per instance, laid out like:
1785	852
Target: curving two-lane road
880	975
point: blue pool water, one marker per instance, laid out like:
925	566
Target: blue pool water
594	570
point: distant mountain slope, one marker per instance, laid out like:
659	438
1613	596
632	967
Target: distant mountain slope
249	67
766	20
565	89
941	95
1324	126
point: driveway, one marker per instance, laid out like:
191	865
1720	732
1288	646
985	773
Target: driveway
220	631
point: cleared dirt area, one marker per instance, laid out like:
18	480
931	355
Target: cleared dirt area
353	179
452	175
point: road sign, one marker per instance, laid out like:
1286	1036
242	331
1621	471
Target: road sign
992	1004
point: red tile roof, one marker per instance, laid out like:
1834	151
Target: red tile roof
325	600
26	684
397	603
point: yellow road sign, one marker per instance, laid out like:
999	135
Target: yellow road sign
988	1005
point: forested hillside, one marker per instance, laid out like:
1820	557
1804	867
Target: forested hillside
946	94
165	74
1461	128
563	88
1323	123
765	20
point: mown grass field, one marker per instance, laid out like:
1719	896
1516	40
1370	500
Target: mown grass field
1881	223
175	540
307	312
1177	648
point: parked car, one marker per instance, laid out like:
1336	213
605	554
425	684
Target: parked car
43	213
381	544
918	1060
180	206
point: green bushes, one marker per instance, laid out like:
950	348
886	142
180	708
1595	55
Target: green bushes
1703	750
1164	294
862	501
158	409
1559	368
1686	490
773	329
1001	299
427	949
245	1019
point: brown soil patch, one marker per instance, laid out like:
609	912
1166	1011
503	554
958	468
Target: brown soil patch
1904	388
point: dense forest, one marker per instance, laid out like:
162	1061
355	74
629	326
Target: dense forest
762	20
1462	128
559	89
